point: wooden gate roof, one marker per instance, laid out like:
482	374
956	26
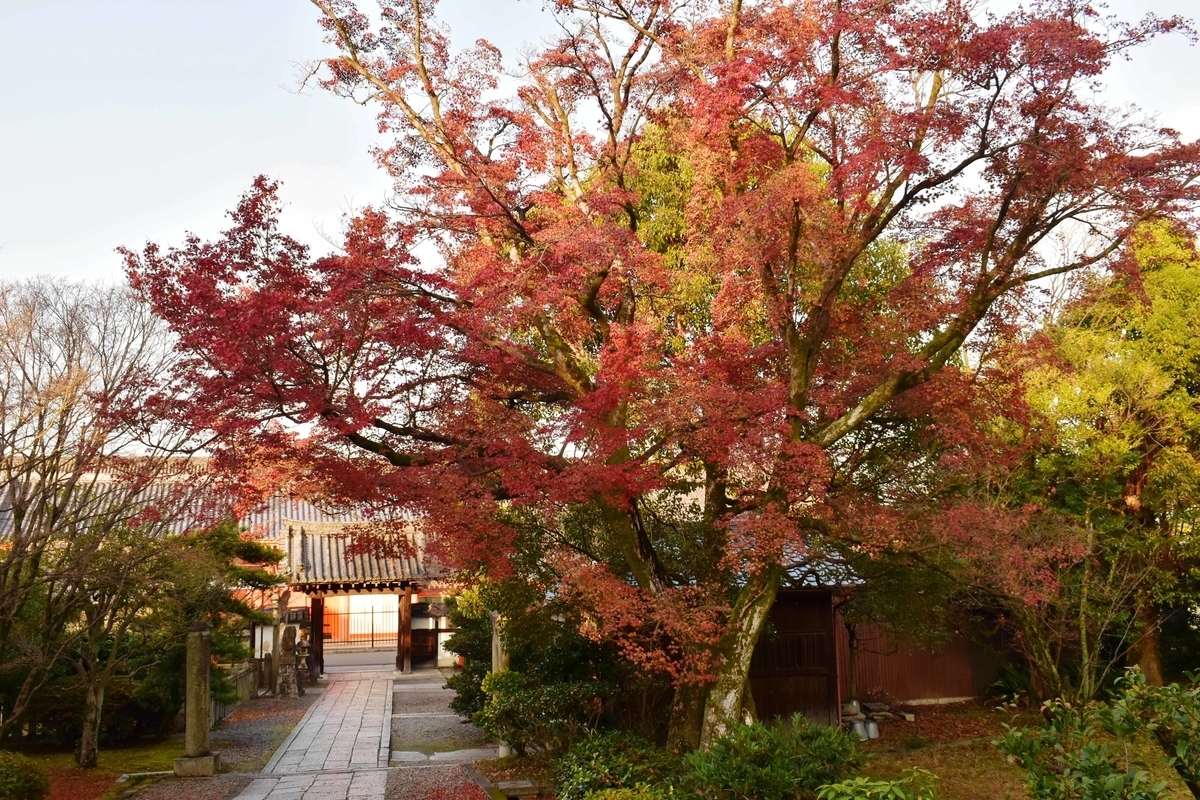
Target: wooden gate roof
321	561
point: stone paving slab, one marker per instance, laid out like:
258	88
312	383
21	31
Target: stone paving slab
412	757
341	749
350	726
363	784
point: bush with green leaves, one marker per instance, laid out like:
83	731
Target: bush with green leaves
1167	715
560	683
21	778
1069	757
917	784
618	762
526	714
471	640
789	760
637	793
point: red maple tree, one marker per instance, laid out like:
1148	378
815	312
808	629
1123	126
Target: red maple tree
660	305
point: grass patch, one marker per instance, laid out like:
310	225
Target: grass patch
975	770
69	782
142	757
968	771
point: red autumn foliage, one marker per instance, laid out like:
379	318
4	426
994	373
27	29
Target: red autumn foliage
705	256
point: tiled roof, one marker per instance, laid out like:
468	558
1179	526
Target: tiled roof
316	541
272	519
318	553
266	522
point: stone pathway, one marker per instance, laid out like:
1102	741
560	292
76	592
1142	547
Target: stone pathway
342	747
344	785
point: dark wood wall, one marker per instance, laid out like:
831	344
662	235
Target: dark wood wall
801	663
899	671
794	668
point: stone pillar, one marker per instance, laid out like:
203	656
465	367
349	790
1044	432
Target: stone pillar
404	632
500	661
199	760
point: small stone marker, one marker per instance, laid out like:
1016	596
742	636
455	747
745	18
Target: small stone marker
198	761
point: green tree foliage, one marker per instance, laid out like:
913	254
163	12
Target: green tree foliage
1112	470
215	568
143	591
123	673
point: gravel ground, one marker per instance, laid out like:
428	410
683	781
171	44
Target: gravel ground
433	783
435	734
422	701
221	787
250	736
246	741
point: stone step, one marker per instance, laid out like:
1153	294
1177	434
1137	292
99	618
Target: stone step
523	788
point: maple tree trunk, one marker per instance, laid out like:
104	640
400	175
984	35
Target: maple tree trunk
727	695
89	742
1046	680
1146	652
687	718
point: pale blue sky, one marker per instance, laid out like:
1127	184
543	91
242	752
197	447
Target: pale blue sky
123	121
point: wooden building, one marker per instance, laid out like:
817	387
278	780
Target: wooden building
323	566
802	663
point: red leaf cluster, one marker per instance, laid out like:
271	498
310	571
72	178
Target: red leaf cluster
721	259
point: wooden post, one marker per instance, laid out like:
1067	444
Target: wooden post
273	678
404	633
317	627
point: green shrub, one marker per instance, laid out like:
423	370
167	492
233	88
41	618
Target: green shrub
563	672
524	713
1064	759
469	697
615	761
636	793
756	762
917	784
22	779
1167	715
